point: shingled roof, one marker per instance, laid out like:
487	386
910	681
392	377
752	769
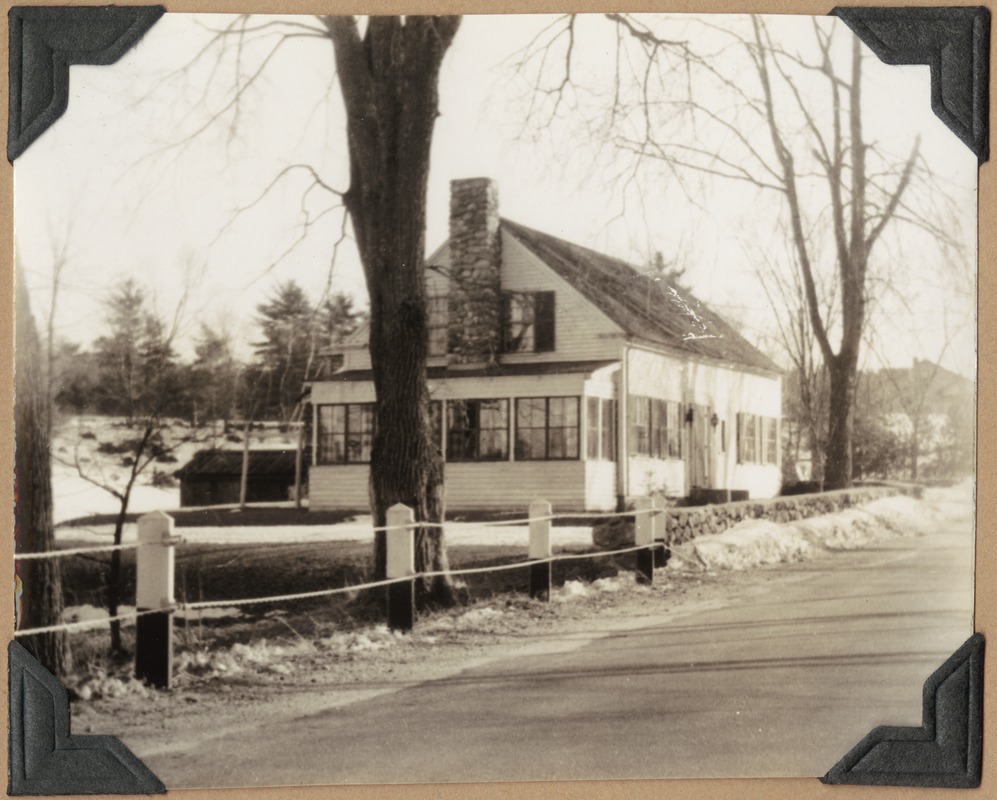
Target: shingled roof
646	308
229	462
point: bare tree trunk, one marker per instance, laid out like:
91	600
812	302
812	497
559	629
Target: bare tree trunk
838	463
40	604
388	80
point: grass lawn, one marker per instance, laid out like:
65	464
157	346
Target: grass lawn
207	572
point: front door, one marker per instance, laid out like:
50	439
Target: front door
700	460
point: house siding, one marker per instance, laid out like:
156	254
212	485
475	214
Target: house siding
727	391
339	486
570	484
507	486
581	331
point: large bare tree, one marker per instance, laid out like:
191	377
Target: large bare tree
388	76
387	69
40	604
731	103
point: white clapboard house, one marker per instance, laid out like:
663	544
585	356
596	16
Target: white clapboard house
561	373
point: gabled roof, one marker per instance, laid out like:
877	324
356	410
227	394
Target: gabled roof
229	462
925	382
646	308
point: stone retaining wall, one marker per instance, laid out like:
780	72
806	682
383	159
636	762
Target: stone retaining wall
687	523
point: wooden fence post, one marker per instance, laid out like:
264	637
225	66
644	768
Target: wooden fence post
661	554
644	535
399	563
154	592
540	574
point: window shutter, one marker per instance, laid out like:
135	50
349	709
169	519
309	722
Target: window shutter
543	315
740	437
759	442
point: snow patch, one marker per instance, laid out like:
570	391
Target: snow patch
755	542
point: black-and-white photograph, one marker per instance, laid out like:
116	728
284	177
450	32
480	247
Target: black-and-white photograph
409	399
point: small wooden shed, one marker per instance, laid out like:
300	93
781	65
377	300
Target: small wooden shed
212	477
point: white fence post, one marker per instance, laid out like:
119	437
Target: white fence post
644	537
154	593
662	553
540	574
399	563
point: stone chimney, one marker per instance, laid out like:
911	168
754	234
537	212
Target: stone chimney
475	271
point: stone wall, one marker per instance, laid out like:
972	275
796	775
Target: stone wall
684	524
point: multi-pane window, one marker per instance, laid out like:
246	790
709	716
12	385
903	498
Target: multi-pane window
547	428
673	436
527	322
592	429
345	433
436	307
757	439
436	423
477	430
640	425
771	441
601	429
609	430
655	428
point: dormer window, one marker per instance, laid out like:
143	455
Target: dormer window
527	322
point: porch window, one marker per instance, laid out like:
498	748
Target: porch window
527	322
477	430
547	428
345	433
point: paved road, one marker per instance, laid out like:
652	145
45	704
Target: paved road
798	664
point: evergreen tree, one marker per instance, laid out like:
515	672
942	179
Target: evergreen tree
286	352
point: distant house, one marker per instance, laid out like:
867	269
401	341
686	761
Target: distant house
930	409
212	477
561	373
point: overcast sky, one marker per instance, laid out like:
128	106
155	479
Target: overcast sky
123	184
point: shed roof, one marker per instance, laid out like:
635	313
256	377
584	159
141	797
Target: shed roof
492	370
229	462
645	307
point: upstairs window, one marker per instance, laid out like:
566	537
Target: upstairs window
437	319
477	430
527	322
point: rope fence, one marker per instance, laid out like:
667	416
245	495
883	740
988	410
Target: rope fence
159	542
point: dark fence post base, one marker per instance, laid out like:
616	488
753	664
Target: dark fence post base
154	648
645	565
401	606
540	580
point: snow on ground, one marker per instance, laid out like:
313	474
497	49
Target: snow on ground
80	438
754	542
359	529
75	497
